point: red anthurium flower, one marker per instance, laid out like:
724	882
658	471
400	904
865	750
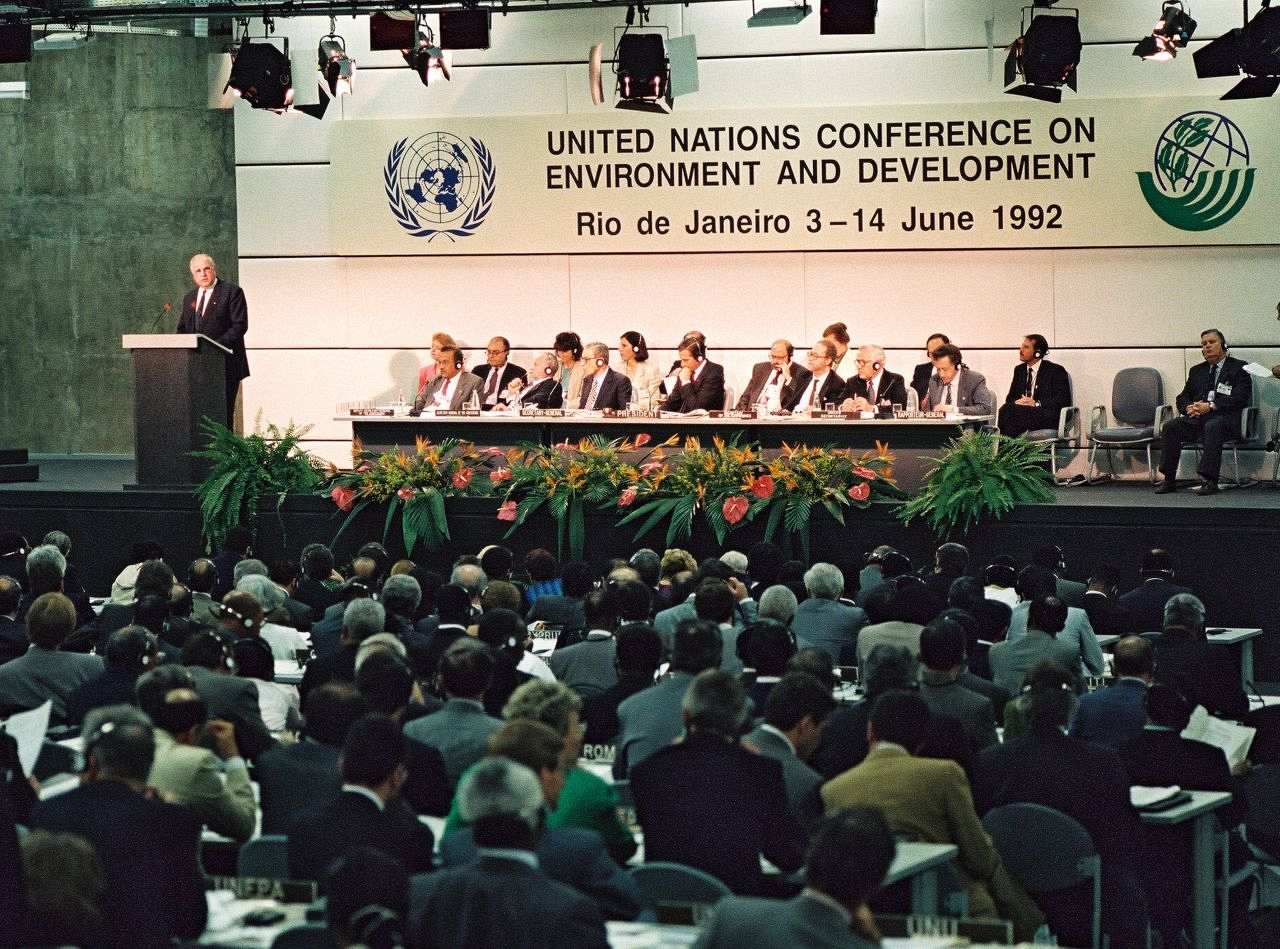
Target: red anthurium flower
649	467
762	487
862	472
499	475
462	478
343	497
507	511
643	439
860	491
627	498
405	494
735	508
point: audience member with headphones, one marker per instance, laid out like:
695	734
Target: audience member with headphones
1039	391
1209	409
451	388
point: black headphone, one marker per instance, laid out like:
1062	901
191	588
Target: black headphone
1040	345
457	363
245	621
877	366
601	362
694	349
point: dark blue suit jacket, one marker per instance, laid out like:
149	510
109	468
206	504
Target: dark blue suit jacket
1145	604
1112	716
225	320
615	391
573	856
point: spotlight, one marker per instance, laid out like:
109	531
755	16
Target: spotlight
1045	55
426	58
644	75
847	17
1253	49
1170	34
338	69
261	76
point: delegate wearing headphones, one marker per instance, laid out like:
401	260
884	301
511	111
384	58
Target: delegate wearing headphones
696	383
1209	409
873	385
1039	390
451	388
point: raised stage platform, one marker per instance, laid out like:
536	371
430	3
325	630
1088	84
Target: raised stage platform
1227	548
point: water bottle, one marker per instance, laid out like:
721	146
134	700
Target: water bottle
474	401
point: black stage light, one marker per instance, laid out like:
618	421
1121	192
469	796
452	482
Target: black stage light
260	75
426	58
1253	49
847	17
388	31
338	69
644	75
1045	56
464	29
15	42
1171	33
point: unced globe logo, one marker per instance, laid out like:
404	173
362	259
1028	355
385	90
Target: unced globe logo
439	184
1201	178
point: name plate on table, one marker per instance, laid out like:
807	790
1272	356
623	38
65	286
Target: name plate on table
602	753
457	413
836	415
264	888
909	414
542	413
733	414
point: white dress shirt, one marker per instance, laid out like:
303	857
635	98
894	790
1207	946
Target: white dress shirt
810	392
444	393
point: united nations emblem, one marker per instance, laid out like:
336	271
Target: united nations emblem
439	184
1201	177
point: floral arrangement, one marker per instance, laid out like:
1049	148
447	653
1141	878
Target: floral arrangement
564	478
415	484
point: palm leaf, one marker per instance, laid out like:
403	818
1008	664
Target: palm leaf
681	525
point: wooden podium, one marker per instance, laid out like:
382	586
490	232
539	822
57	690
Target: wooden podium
178	380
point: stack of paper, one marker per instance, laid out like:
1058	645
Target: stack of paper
1233	739
1141	796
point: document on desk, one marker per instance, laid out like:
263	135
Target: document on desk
1233	739
28	730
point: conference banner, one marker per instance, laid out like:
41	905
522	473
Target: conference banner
1008	174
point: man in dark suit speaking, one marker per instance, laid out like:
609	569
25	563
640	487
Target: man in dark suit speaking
1208	409
1039	390
217	309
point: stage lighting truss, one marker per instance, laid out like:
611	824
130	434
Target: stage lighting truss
1046	55
260	72
1253	49
338	69
1171	33
427	59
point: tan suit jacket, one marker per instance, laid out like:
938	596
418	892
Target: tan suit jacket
929	800
193	777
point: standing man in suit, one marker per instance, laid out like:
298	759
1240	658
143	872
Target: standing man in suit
602	388
873	383
699	383
541	389
1039	391
451	388
848	860
217	309
954	388
823	385
923	372
1144	604
769	378
1209	410
498	374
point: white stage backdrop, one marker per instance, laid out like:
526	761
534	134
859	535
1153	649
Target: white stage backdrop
1103	173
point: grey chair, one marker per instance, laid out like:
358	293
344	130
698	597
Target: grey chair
309	936
1249	418
677	893
265	857
1066	435
1019	832
1137	404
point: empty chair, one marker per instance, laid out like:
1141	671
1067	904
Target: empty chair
1067	434
1137	403
310	936
265	857
1019	833
677	893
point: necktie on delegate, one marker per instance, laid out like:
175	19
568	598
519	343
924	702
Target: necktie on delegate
1213	380
813	392
946	395
590	395
871	392
202	300
492	387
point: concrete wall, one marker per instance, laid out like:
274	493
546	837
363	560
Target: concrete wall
114	173
1092	304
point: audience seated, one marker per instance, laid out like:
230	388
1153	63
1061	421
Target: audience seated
929	800
950	561
460	730
147	848
765	647
214	785
508	638
227	696
1115	715
13	632
368	899
588	667
849	857
572	855
822	621
481	905
1101	602
1001	577
361	618
65	890
794	716
712	568
44	672
367	812
130	652
942	658
638	653
1012	659
844	740
306	773
565	609
285	573
1205	673
1145	603
970	676
236	546
316	586
284	640
715	601
1036	582
897	611
726	832
652	718
278	702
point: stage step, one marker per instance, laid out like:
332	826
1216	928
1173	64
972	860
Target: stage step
13	456
11	474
